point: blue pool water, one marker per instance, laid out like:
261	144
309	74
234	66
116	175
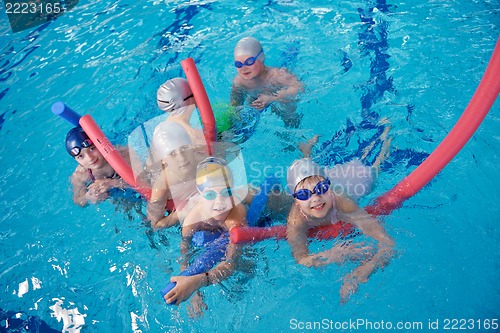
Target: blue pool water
414	65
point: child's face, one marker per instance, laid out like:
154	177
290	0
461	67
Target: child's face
249	72
91	158
318	205
217	201
181	161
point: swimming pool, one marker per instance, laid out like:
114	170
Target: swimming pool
415	63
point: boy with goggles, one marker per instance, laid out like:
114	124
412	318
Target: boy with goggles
93	177
259	85
316	205
218	209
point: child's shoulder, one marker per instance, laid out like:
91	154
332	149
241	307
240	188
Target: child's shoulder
279	74
295	218
237	217
238	82
194	215
345	204
275	70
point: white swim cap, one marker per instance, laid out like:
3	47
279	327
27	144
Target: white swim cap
211	172
174	96
249	46
169	136
300	170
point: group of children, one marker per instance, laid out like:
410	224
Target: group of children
200	192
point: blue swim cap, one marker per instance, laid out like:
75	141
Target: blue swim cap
76	140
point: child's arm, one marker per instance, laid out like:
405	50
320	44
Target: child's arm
237	217
102	186
187	285
78	182
237	97
350	212
290	88
159	195
185	244
225	268
370	226
95	192
167	221
291	84
296	233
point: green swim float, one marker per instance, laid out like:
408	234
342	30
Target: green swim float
224	116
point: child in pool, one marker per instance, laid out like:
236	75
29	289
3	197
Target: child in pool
218	209
93	177
176	98
175	183
316	205
262	85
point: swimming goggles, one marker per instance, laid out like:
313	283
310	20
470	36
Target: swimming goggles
211	194
167	102
320	188
75	151
249	62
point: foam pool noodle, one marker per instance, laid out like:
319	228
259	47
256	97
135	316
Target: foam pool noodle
213	253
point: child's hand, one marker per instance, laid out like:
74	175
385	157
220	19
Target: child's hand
383	255
166	222
97	191
312	261
350	286
343	252
352	281
363	272
186	286
197	306
94	197
155	212
262	101
101	185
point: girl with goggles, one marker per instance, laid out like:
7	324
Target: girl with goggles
94	176
316	205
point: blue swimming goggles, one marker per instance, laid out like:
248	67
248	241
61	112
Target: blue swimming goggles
320	188
75	151
249	62
211	194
